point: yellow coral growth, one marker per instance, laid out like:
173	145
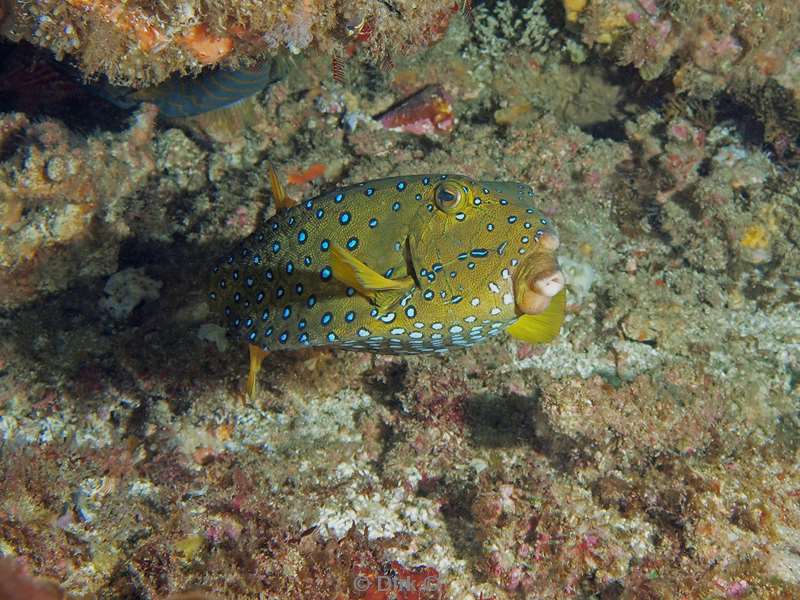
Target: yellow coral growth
610	27
574	8
755	237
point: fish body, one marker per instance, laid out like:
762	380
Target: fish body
187	96
421	263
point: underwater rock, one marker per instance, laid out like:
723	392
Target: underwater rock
141	44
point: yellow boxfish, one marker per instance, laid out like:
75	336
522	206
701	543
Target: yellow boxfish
403	265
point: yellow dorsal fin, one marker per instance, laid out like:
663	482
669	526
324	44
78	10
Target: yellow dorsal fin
544	327
369	283
278	193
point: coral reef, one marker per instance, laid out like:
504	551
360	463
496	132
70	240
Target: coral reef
652	451
749	49
142	43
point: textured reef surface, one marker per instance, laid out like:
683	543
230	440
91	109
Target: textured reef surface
651	451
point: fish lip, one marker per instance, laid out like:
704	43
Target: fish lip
548	284
539	290
538	279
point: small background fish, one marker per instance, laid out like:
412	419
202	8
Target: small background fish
213	89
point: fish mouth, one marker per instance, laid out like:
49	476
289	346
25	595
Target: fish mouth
539	278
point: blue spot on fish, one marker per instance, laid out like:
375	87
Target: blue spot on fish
326	273
344	218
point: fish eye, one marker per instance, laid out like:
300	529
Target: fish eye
450	195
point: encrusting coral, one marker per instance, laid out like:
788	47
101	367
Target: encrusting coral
141	43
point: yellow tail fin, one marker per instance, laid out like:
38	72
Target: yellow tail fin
544	327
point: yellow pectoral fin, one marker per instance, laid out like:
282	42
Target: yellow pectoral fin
257	356
544	327
369	283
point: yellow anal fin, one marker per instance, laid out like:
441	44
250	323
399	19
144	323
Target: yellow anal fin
278	193
379	290
544	327
257	356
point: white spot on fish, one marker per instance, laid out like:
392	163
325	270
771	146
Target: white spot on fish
508	298
493	287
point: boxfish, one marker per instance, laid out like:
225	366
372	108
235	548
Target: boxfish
402	265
